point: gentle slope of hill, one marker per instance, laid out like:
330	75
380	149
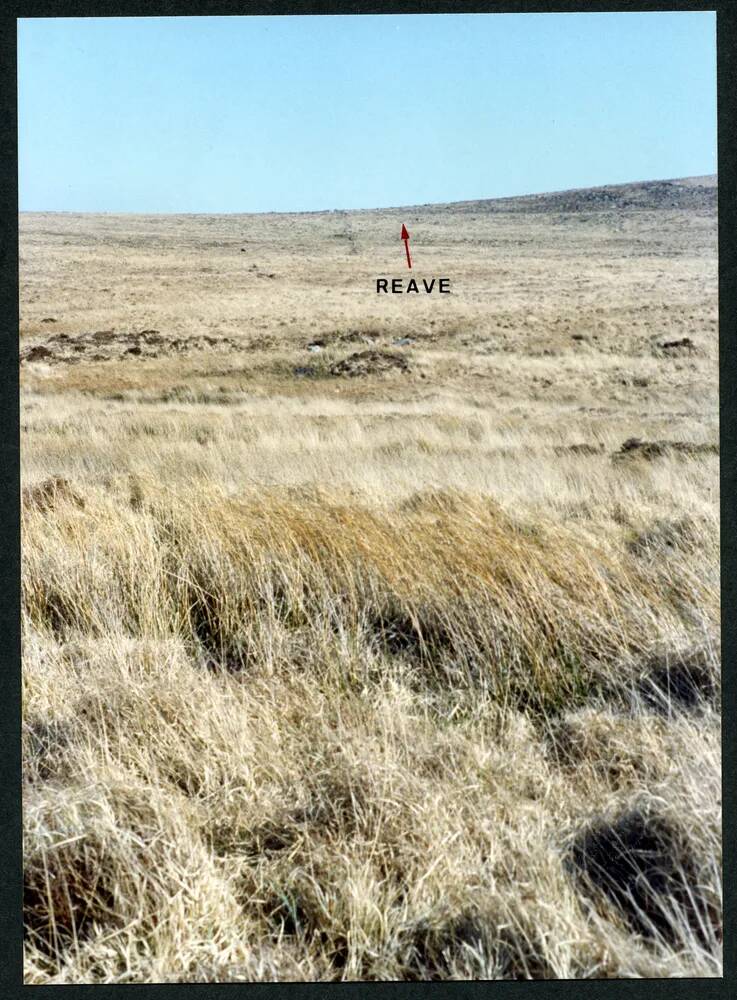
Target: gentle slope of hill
373	636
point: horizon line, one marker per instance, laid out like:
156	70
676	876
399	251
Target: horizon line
387	208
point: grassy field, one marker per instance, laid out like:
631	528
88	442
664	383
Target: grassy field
373	636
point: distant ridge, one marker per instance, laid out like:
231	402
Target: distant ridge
680	193
686	193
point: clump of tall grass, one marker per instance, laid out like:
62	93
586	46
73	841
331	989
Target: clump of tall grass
469	594
294	735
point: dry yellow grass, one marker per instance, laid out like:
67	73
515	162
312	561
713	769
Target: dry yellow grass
395	676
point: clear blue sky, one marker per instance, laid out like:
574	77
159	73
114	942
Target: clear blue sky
248	114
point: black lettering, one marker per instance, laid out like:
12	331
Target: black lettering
396	284
444	285
412	286
382	284
428	288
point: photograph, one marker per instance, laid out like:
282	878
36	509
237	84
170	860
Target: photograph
370	497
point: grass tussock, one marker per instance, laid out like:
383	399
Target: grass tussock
474	597
307	737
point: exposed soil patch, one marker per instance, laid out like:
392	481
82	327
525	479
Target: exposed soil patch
109	345
637	448
642	866
364	363
36	353
684	344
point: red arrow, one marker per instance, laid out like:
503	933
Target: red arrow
405	237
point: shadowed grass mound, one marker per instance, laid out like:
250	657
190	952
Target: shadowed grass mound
642	864
687	682
48	493
109	860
